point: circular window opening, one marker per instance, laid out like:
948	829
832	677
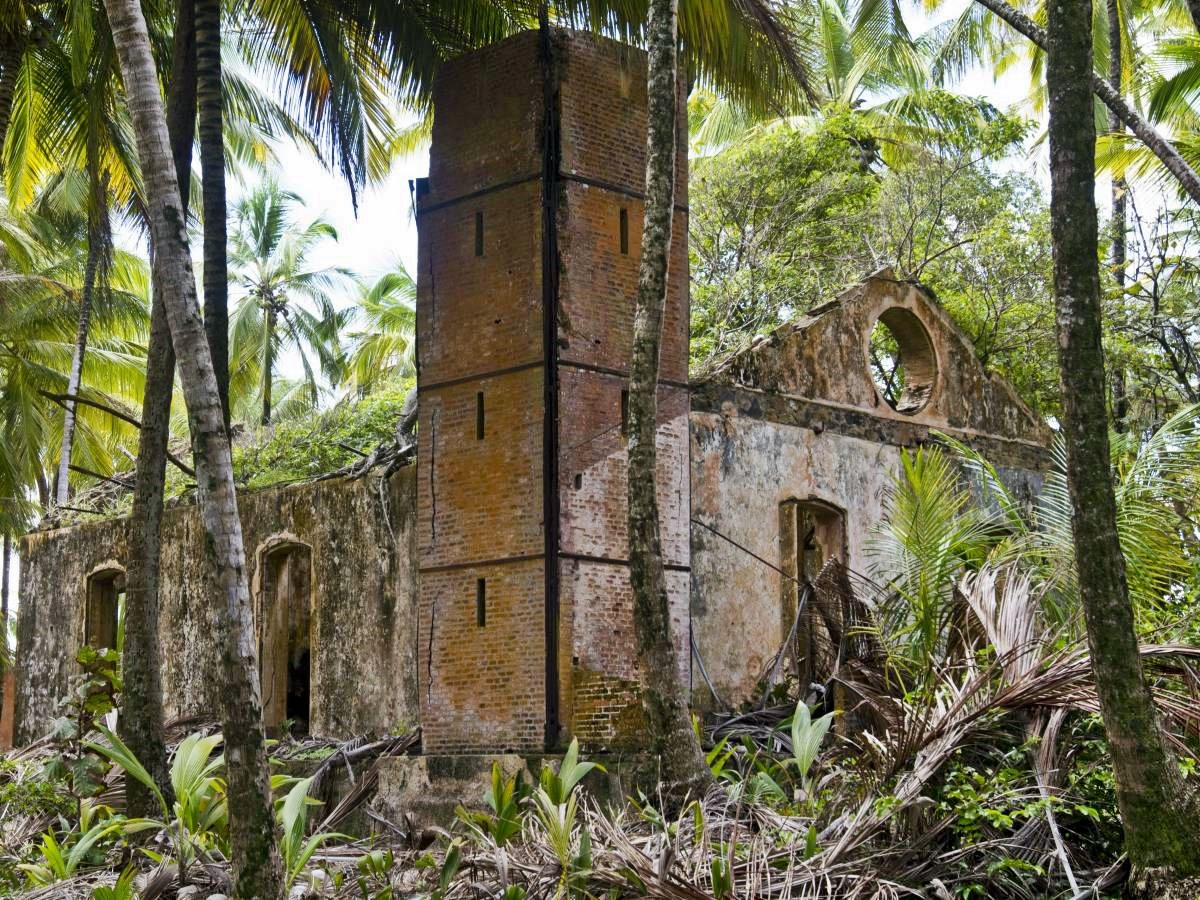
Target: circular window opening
903	364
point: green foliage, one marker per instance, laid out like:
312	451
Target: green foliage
784	782
796	212
932	531
298	450
23	794
84	846
555	806
294	846
93	696
284	303
1155	478
505	798
771	223
807	735
985	804
374	875
122	889
198	824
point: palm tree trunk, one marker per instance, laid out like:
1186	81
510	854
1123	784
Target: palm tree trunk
5	559
1120	399
268	361
1145	132
141	714
1162	829
684	770
212	163
98	245
12	52
257	869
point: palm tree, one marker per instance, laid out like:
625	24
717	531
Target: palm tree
44	258
382	337
664	698
1160	814
257	867
284	304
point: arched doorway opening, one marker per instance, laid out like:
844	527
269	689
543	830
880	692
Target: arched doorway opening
284	637
102	610
811	532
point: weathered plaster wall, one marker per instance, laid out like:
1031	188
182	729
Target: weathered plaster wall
797	417
363	633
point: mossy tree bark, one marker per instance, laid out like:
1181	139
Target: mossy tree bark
1162	828
12	54
684	771
212	165
5	557
1117	254
141	715
257	868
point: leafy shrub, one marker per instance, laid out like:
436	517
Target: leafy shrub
305	448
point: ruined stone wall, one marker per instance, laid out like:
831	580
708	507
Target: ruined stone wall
363	615
798	417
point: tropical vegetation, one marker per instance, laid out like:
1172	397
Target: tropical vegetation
1024	673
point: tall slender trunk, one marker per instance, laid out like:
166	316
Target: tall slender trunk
257	868
212	164
664	697
141	714
1162	829
12	52
1116	40
97	253
268	370
1145	132
5	559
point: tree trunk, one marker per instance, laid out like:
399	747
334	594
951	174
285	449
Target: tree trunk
212	164
97	252
12	52
1145	132
1120	399
141	712
257	869
1162	829
268	361
5	558
684	771
1194	9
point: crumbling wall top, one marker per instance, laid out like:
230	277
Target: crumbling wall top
824	357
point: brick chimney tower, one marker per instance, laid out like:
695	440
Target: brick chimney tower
529	236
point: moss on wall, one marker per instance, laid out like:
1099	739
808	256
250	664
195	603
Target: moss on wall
363	666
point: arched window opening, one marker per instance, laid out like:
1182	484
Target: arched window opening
285	605
903	361
105	598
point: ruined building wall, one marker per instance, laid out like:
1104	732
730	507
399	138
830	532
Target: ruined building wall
797	417
529	230
362	619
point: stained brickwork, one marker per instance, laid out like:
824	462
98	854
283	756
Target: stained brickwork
488	279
